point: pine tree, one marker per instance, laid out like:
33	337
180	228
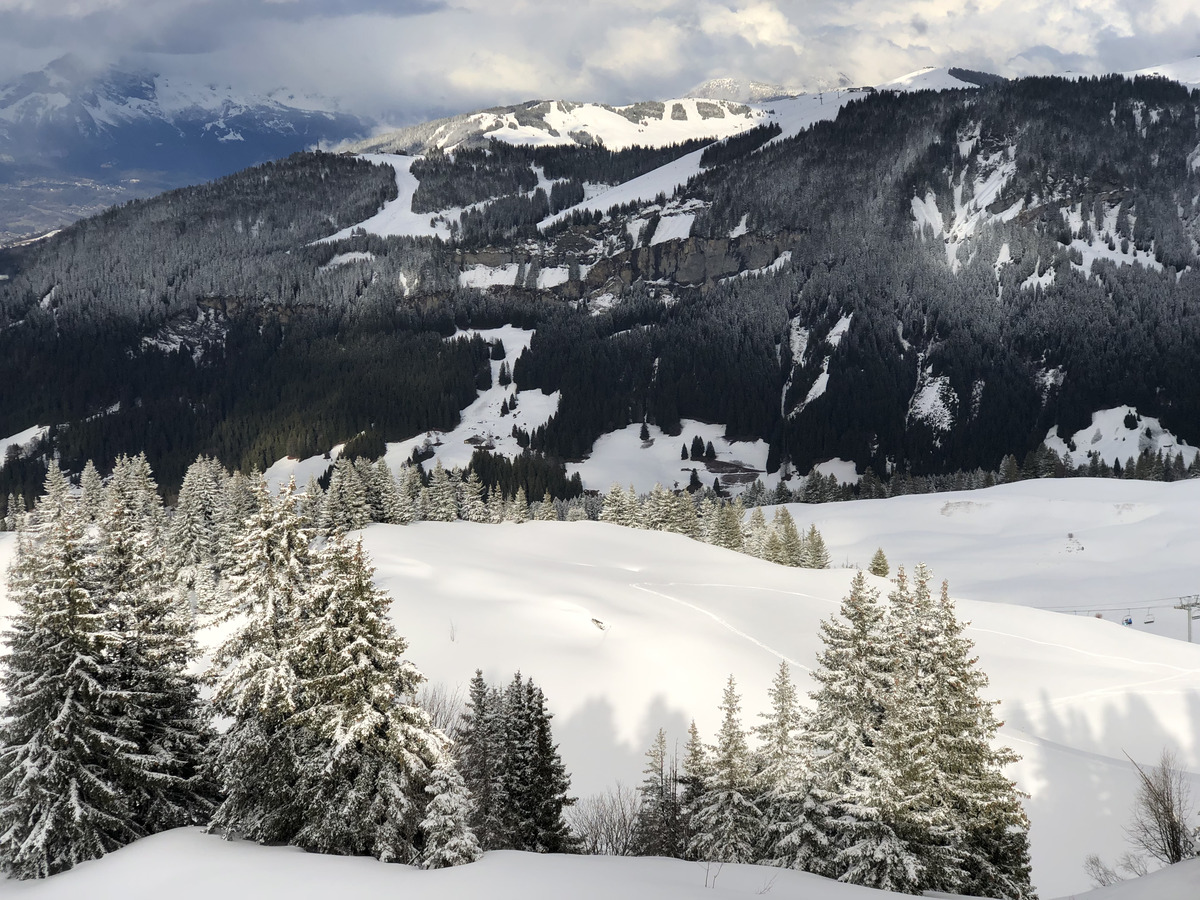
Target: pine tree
91	495
727	821
153	699
816	556
783	779
367	751
992	826
61	754
347	506
474	507
383	488
696	768
792	548
480	749
754	534
545	510
255	682
449	840
658	829
853	788
441	505
879	564
517	509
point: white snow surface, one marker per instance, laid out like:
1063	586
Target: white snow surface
622	457
187	864
343	259
21	439
481	424
927	79
676	227
301	470
1114	442
396	218
845	470
630	630
1185	71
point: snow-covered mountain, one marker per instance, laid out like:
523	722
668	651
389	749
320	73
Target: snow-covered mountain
653	123
743	90
1185	71
111	133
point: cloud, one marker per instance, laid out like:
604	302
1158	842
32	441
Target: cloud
408	59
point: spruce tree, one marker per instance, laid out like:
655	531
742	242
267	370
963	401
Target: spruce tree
91	493
727	821
816	556
153	698
255	682
62	755
658	831
449	840
783	780
366	750
879	564
696	767
853	791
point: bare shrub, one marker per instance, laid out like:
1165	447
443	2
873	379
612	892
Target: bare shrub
1161	811
606	823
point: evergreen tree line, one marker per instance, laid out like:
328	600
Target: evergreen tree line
104	736
890	779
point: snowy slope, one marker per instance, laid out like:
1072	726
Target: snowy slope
1108	436
557	122
1086	546
189	865
630	630
396	218
1185	71
20	439
586	609
927	79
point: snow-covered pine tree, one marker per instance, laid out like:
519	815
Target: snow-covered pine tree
696	767
473	506
441	505
845	735
727	529
754	534
614	505
449	840
313	502
194	535
383	486
61	753
347	506
683	516
658	831
992	827
407	490
480	748
366	749
909	736
517	509
792	546
816	555
656	514
545	510
91	493
238	504
152	698
14	515
783	780
255	683
727	822
879	564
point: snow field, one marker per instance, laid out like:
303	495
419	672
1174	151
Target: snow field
627	631
1108	436
396	218
21	438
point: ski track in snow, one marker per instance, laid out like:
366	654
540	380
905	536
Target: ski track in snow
724	624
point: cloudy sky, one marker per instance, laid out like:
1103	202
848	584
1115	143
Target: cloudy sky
409	59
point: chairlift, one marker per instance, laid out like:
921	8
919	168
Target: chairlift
1128	620
1196	612
1149	620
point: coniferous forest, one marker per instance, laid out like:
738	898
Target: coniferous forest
217	320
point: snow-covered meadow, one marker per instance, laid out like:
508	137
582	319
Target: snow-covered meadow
628	631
